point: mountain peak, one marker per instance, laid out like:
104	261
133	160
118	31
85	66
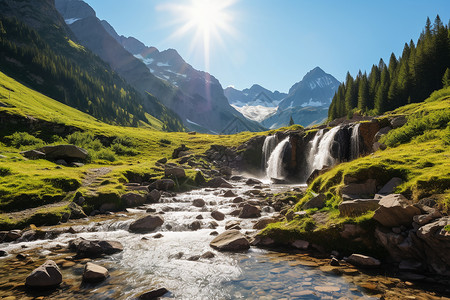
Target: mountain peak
314	73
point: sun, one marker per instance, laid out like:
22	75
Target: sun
208	20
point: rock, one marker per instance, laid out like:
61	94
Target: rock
226	171
381	133
316	202
389	187
153	196
45	276
180	151
363	260
80	200
230	240
262	223
253	181
300	244
94	273
229	194
398	122
334	262
250	211
69	152
146	224
316	173
214	233
395	211
238	200
107	207
208	255
3	253
162	185
162	160
176	172
33	154
61	162
198	203
357	207
425	219
410	265
217	215
196	225
358	190
154	294
235	212
94	248
194	258
10	236
378	146
213	225
132	199
231	224
351	230
327	288
76	212
219	182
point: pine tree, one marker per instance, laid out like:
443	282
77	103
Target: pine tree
363	93
291	121
446	78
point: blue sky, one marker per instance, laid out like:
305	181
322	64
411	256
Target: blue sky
275	43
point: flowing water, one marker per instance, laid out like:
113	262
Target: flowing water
172	260
320	150
355	142
275	164
269	145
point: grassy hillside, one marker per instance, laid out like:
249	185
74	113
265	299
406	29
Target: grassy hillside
127	151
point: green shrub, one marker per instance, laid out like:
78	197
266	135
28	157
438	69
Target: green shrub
165	141
4	171
84	140
66	184
124	141
105	154
120	149
19	139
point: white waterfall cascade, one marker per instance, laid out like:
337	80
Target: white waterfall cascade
320	154
355	142
275	162
269	145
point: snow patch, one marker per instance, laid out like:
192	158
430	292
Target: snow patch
193	123
312	103
256	113
71	20
160	64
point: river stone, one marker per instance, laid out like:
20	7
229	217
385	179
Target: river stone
198	202
357	207
3	253
64	152
153	196
327	288
162	184
253	181
316	202
154	294
176	172
33	154
238	200
395	211
229	194
94	248
262	223
250	211
132	199
217	215
146	224
10	236
45	276
230	240
94	273
196	225
363	260
219	182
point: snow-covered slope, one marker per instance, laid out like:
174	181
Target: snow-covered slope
255	112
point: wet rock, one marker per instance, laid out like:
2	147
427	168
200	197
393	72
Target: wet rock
105	207
229	194
213	225
230	224
395	210
262	223
262	241
357	207
230	240
198	203
178	255
238	200
151	210
363	261
154	294
196	225
10	236
94	273
410	265
214	233
33	154
94	248
327	288
334	262
253	181
22	256
300	244
47	275
235	212
217	215
176	172
316	202
69	152
219	182
162	184
153	196
236	178
351	230
208	255
226	171
199	217
250	211
132	199
158	236
194	258
146	224
3	253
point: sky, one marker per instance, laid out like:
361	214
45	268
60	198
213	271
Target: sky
274	43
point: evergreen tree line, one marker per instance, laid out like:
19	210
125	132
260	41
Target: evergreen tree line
75	77
421	69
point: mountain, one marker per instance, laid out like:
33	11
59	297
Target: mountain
38	49
305	116
196	96
256	95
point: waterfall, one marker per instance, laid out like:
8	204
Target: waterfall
319	154
269	145
355	142
275	162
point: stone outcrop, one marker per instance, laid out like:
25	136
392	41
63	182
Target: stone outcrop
359	190
357	207
315	202
66	152
47	275
395	210
146	224
230	240
176	172
162	185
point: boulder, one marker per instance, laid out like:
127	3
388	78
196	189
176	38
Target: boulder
45	276
3	253
94	273
262	223
33	154
107	207
132	199
219	182
70	152
226	171
398	122
153	196
238	200
367	132
196	225
229	194
154	294
162	160
76	211
300	244
316	173
381	132
217	215
358	190
250	211
230	240
253	181
357	207
395	210
363	261
146	224
94	248
389	187
316	202
10	236
176	172
162	185
198	203
180	152
231	224
427	218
